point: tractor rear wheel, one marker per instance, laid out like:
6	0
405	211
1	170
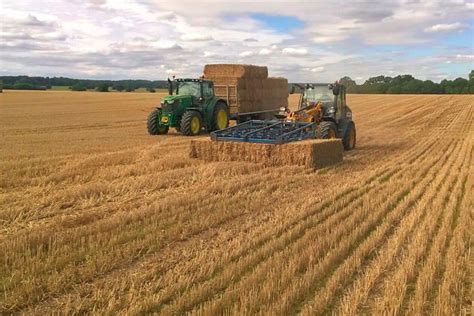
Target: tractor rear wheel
153	124
349	139
191	123
327	130
220	117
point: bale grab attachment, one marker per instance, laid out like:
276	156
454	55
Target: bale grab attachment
267	132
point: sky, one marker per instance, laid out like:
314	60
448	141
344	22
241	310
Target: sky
304	41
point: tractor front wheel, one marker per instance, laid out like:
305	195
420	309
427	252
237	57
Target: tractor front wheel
327	130
153	124
191	123
220	117
349	140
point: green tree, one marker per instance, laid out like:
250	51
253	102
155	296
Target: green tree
350	84
79	87
103	87
119	87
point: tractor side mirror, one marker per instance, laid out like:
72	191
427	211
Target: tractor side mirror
292	90
335	90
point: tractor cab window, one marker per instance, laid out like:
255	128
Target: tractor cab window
318	93
189	88
207	91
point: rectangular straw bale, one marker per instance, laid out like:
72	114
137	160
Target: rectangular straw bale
274	103
235	70
314	153
294	101
240	83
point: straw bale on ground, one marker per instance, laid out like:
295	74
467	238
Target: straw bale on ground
314	153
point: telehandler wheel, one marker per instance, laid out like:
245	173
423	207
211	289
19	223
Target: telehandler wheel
191	123
220	117
153	124
349	139
327	130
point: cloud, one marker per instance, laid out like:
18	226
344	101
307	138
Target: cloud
464	57
317	69
209	54
246	54
295	51
113	39
446	27
196	37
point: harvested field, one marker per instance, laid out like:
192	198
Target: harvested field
99	217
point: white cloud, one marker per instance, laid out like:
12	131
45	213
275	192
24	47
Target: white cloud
209	54
295	51
317	69
445	27
246	54
464	57
195	37
264	52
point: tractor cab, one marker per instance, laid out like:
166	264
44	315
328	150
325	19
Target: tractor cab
198	88
336	116
189	107
331	96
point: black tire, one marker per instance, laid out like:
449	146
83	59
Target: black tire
153	124
326	128
186	120
347	142
218	107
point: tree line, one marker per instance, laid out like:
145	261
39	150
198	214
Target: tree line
407	84
46	83
403	84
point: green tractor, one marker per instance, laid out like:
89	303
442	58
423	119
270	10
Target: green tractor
191	109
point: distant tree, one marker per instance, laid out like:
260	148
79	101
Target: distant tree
78	87
103	87
394	90
460	85
152	90
119	87
27	86
129	89
350	84
471	75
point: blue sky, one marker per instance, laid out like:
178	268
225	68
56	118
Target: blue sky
279	23
300	40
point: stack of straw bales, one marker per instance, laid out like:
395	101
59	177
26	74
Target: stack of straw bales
254	90
314	153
